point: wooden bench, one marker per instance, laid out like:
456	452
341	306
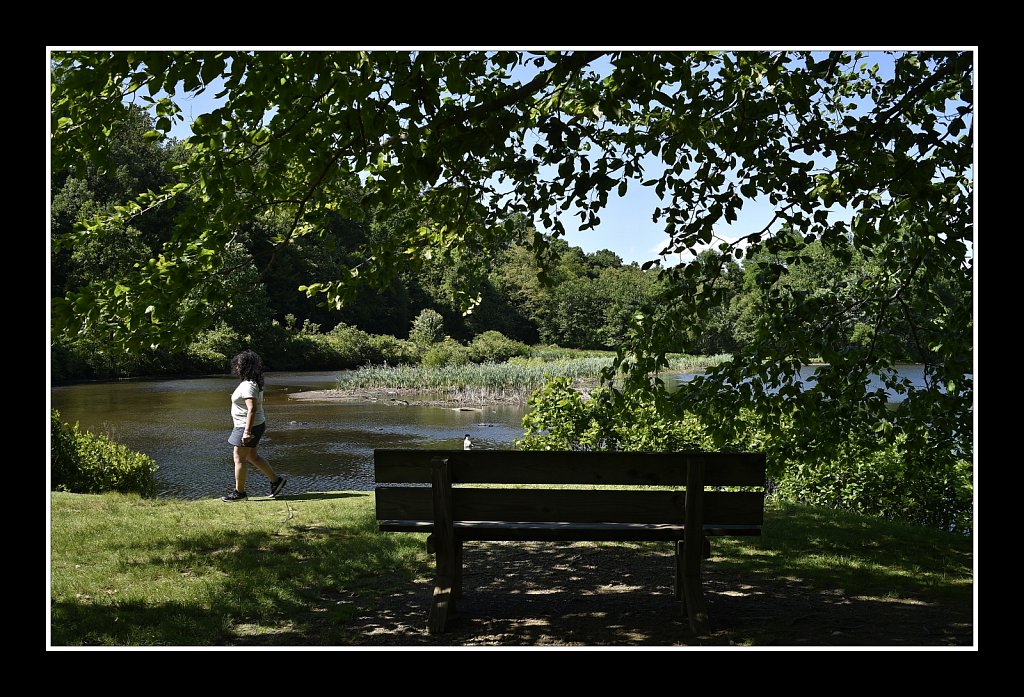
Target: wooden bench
450	494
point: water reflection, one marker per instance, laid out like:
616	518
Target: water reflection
318	446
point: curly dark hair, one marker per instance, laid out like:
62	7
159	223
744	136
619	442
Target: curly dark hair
248	366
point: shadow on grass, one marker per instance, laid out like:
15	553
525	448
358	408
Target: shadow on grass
555	594
316	496
815	578
857	554
299	585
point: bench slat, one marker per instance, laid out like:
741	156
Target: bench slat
577	532
395	466
571	505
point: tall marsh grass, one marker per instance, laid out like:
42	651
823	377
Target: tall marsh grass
513	375
683	362
515	379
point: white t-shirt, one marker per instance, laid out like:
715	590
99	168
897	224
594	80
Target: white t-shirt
247	389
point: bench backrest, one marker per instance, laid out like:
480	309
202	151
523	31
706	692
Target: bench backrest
530	501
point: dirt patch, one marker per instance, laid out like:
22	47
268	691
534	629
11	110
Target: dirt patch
550	594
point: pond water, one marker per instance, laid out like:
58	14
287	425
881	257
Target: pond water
911	371
318	446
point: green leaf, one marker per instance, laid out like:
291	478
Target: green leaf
211	69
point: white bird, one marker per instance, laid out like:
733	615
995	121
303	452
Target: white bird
467	444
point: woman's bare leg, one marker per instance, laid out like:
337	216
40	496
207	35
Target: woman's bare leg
259	462
241	468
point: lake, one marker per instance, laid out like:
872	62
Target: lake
319	446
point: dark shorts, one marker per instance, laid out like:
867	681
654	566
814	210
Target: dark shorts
236	435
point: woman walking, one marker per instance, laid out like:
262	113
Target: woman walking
249	424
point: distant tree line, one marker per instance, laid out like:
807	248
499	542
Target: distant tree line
582	300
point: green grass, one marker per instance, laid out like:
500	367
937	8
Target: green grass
859	555
127	571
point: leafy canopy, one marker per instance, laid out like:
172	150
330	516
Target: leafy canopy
851	156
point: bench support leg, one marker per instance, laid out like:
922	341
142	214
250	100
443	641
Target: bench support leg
692	551
442	604
679	571
457	585
705	553
690	586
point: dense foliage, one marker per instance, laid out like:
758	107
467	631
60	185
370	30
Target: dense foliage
891	481
87	463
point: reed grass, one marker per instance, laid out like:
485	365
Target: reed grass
516	377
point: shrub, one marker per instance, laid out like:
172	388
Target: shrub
64	460
384	349
859	472
213	349
886	481
67	362
85	463
427	328
282	349
350	347
561	417
88	356
448	352
495	347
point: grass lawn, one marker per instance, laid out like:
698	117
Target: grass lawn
302	570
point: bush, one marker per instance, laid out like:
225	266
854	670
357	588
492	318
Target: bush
388	350
282	349
64	460
448	352
85	463
495	347
350	346
213	349
427	328
66	362
561	417
858	473
886	481
89	357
